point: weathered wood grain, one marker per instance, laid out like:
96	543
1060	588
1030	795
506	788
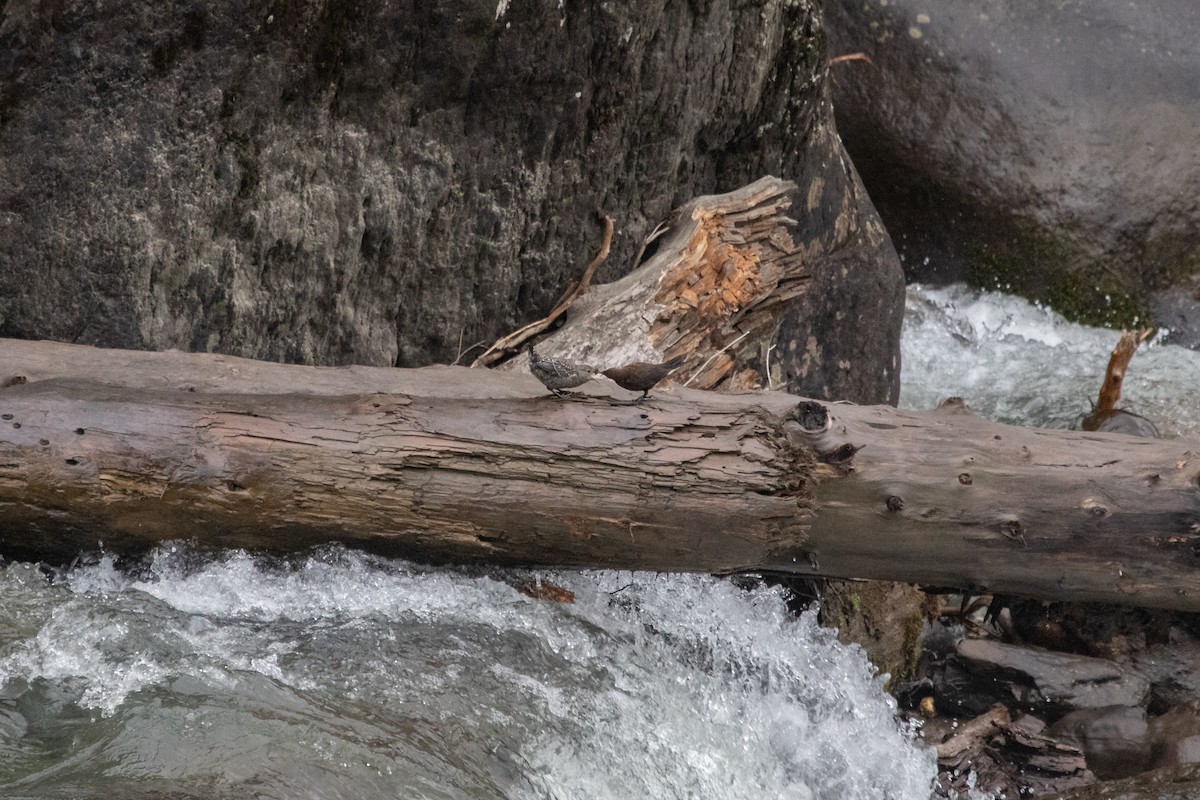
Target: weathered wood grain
130	449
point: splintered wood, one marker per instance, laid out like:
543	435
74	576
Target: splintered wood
712	289
725	287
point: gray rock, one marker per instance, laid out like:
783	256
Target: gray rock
1182	783
391	182
1179	312
1176	737
1060	682
1171	669
1048	148
1126	422
1115	739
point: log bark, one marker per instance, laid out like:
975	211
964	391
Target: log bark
130	449
445	463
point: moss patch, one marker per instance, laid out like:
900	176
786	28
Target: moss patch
1060	274
885	619
1102	301
1172	260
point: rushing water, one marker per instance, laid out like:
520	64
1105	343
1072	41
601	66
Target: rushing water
340	675
1023	364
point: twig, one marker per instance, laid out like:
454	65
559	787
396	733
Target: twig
714	355
850	57
513	341
462	353
650	238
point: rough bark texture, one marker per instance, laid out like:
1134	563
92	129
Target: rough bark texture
425	470
689	481
1049	149
948	498
389	182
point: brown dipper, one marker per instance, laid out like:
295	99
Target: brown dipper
642	377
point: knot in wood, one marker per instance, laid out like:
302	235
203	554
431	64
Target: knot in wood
1013	529
812	416
841	455
1094	507
965	478
895	503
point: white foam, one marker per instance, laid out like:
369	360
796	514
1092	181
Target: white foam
679	686
1024	364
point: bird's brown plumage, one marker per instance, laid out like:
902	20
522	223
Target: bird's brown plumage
641	376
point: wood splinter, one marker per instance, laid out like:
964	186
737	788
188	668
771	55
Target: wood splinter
1105	415
513	342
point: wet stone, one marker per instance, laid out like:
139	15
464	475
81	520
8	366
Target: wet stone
1048	681
1114	739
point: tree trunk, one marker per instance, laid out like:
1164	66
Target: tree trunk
473	465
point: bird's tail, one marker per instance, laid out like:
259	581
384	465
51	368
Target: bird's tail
676	362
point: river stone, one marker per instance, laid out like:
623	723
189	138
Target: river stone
1176	737
885	619
1182	783
1048	148
389	183
1059	682
1171	669
1114	739
1179	312
1118	420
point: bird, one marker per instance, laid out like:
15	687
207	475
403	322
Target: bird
642	377
557	374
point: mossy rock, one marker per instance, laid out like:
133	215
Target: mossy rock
881	617
1060	274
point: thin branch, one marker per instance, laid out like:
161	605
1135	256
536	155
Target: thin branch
513	341
653	235
850	57
462	353
704	366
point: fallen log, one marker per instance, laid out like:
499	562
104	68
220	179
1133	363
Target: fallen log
443	463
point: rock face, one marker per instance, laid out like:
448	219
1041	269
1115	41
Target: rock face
1115	739
1048	148
1045	681
391	182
